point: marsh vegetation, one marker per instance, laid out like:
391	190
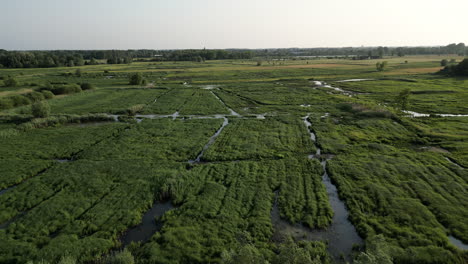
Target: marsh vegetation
214	162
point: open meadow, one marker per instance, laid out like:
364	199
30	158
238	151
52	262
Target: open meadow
235	161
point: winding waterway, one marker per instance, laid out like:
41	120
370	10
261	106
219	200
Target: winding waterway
211	141
341	234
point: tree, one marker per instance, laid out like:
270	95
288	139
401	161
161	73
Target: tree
380	66
443	62
11	82
78	73
403	98
380	50
136	79
93	61
40	109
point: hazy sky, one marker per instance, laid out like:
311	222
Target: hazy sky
157	24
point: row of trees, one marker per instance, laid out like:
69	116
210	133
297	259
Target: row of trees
39	59
44	59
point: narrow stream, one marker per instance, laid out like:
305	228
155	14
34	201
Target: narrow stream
454	163
210	142
341	234
458	243
232	112
7	189
416	114
355	80
325	85
150	224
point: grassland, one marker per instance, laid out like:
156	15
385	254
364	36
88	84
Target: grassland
74	189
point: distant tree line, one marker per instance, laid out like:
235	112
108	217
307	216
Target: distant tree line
61	58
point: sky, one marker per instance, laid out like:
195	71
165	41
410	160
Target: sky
218	24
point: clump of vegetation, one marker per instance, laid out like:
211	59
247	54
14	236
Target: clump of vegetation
87	86
381	66
402	100
40	109
135	109
457	70
137	79
78	73
10	82
47	94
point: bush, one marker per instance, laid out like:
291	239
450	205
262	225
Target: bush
35	96
380	66
87	86
40	109
444	62
19	100
133	110
47	94
122	257
136	79
66	89
6	103
10	82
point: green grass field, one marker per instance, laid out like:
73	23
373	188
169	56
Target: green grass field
72	185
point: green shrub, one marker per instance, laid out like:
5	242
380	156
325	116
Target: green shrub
6	103
66	89
19	100
47	94
87	86
35	96
10	82
122	257
40	109
136	79
133	110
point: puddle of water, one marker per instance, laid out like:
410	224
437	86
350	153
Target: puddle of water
149	225
325	85
262	116
209	87
305	105
458	243
210	142
63	160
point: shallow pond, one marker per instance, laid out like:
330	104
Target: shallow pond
150	224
